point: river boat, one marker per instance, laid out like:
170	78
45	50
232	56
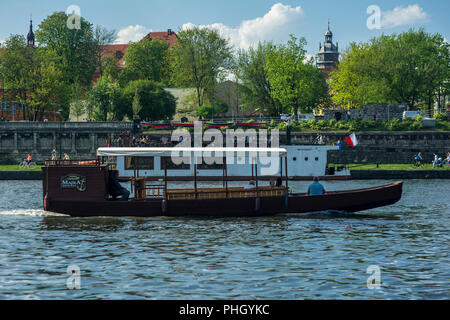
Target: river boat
81	188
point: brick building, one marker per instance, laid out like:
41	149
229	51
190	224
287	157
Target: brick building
119	50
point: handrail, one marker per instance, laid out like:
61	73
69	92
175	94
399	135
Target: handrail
72	162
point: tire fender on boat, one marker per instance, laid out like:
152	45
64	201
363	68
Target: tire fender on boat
164	206
257	204
286	199
46	202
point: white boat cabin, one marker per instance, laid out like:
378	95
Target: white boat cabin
303	162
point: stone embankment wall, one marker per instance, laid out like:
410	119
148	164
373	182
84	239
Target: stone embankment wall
81	139
383	147
77	139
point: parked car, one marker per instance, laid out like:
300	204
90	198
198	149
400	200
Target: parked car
306	117
285	117
410	114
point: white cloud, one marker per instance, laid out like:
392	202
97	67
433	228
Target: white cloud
400	16
131	33
275	25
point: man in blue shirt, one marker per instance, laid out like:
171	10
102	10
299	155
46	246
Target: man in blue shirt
315	188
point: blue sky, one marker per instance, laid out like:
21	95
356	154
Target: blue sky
244	22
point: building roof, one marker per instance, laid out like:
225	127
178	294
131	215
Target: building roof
115	49
168	36
120	49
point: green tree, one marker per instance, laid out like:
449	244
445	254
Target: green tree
147	60
407	68
352	88
102	37
136	106
199	59
210	110
156	103
297	84
110	67
105	98
32	77
252	74
16	63
48	88
76	47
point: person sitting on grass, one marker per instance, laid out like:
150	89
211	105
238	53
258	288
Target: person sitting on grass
316	188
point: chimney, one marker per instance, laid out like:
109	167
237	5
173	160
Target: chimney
169	32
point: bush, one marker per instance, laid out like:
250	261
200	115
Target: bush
440	116
359	125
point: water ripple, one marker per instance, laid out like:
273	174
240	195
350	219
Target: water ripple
311	256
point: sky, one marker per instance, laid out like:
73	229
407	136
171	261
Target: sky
243	22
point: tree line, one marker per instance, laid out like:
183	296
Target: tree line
410	68
269	78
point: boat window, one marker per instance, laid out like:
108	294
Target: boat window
145	163
317	158
214	166
295	159
172	166
306	158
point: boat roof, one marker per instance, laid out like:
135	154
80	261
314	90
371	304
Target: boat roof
161	151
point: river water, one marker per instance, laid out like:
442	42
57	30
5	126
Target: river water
395	252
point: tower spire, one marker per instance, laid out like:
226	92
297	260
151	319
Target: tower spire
30	36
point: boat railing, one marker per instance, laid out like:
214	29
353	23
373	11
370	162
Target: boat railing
74	162
224	193
146	190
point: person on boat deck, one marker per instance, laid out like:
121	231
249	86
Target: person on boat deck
316	188
115	189
279	182
250	185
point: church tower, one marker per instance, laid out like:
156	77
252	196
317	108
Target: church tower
328	54
30	36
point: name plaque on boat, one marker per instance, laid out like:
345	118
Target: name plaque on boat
73	181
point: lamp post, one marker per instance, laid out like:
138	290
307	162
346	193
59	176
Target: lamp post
60	135
3	95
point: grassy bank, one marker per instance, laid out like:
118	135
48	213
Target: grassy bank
391	166
16	167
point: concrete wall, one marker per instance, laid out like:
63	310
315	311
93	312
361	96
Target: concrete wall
382	147
77	139
81	139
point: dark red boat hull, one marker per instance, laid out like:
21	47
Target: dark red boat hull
347	201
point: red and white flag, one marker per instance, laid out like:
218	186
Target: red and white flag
351	140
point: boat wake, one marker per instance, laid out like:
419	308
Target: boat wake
335	214
29	213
